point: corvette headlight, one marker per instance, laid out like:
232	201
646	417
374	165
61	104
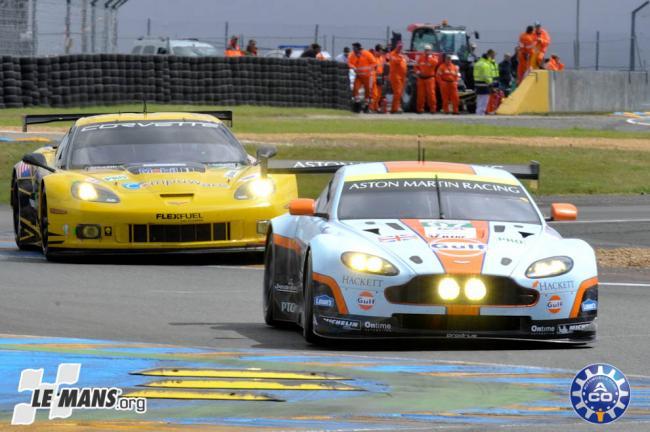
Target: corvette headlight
365	263
548	267
91	192
258	188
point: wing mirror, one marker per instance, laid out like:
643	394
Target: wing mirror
563	212
263	155
37	159
302	207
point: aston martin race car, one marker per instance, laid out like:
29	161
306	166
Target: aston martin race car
428	249
148	182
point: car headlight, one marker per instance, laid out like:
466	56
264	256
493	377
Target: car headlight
548	267
365	263
258	188
91	192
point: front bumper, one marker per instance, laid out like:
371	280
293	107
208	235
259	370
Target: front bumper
578	330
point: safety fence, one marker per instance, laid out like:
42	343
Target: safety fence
104	79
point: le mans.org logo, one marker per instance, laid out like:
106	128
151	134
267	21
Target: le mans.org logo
600	393
61	401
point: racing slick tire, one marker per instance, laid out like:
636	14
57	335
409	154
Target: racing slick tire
49	255
308	305
269	282
16	207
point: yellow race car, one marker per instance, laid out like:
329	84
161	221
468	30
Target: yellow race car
147	182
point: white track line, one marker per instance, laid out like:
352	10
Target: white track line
632	284
602	221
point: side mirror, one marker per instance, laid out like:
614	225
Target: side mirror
563	212
302	207
37	159
263	155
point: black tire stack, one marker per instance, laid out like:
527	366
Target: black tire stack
106	79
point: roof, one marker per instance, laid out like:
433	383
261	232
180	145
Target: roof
125	117
421	169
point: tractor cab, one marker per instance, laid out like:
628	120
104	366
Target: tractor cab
444	39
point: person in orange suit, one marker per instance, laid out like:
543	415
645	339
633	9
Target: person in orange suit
233	50
448	76
364	64
527	43
425	71
398	68
554	63
380	57
543	41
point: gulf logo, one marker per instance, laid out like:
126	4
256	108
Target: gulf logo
554	304
366	300
459	248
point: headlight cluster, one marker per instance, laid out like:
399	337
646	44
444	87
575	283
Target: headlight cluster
449	289
91	192
548	267
365	263
255	189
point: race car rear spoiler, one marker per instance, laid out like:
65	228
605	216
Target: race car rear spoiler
224	116
522	172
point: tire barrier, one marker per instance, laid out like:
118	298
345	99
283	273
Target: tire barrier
106	79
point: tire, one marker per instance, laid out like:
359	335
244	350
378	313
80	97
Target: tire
308	305
16	211
49	255
269	281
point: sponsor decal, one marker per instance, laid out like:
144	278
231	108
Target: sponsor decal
192	182
459	248
165	169
62	401
343	323
397	238
156	124
179	216
600	393
461	336
366	300
312	164
92	180
542	329
554	304
511	240
24	170
288	307
131	186
570	328
589	305
324	301
546	286
449	230
230	174
285	287
429	184
117	177
377	326
361	281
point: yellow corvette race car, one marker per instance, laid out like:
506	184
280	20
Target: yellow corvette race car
148	182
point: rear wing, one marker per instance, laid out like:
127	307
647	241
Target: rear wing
224	116
530	171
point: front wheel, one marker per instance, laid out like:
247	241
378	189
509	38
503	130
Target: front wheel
16	207
49	255
269	282
308	305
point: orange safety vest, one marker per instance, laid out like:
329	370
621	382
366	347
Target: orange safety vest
426	65
363	64
448	72
397	63
543	39
527	43
233	51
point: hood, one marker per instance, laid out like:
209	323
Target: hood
453	246
173	179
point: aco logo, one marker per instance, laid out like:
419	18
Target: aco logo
600	393
366	300
458	248
554	304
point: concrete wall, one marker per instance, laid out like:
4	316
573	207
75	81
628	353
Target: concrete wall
596	91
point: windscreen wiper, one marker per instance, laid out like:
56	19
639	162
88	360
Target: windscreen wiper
441	213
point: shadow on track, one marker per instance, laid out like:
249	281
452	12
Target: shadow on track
290	338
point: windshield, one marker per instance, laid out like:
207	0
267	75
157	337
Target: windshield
422	37
417	199
109	144
195	51
444	41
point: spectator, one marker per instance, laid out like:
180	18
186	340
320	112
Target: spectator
343	57
363	63
448	76
397	70
311	52
232	50
482	82
251	48
527	42
505	74
288	52
554	63
425	71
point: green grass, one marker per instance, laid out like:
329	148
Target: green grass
256	119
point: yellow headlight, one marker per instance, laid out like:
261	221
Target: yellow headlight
475	289
262	188
365	263
448	289
87	192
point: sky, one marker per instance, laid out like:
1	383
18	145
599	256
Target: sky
499	22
